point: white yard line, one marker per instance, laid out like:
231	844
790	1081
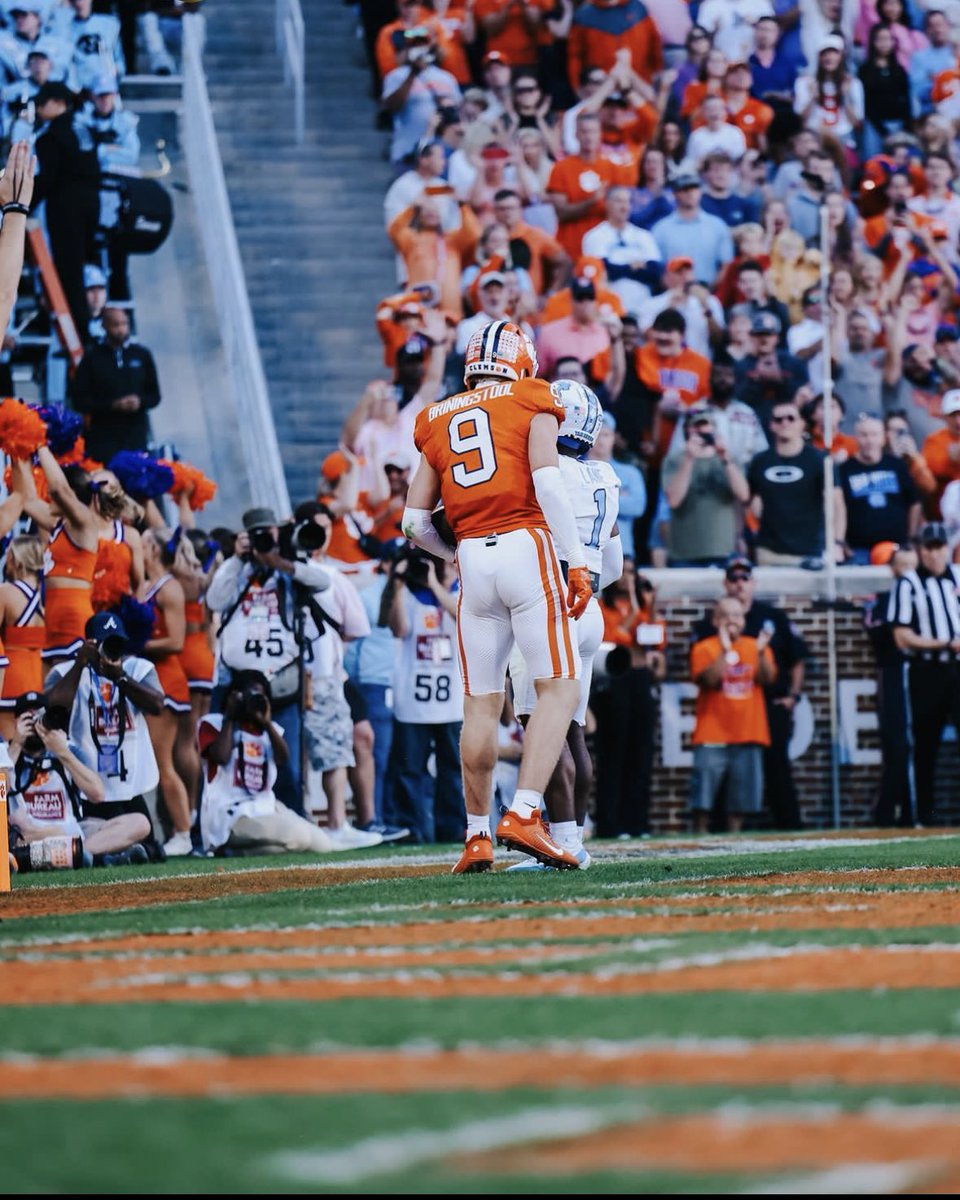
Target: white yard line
847	1179
391	1153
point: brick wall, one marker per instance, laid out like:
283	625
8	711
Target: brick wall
858	783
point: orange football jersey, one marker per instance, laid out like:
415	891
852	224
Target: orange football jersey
477	443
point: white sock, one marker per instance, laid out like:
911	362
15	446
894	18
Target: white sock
526	802
477	824
564	833
579	837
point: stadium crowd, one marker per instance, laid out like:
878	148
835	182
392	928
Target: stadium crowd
640	189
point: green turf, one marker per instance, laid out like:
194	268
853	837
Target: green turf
220	1145
224	1145
277	1027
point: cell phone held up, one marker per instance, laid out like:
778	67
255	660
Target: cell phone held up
649	635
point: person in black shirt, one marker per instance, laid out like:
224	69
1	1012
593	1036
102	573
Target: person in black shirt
116	383
879	498
895	802
925	614
768	374
886	91
69	181
790	654
786	483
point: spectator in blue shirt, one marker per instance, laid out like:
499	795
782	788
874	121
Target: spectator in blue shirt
926	64
692	233
719	198
774	71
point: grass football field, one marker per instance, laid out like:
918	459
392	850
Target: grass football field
766	1014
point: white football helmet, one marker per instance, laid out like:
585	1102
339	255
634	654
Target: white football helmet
584	416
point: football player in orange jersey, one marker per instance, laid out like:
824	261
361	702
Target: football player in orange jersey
490	454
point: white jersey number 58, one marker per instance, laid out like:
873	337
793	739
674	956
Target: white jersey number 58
469	433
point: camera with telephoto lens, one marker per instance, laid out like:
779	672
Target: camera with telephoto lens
53	717
296	538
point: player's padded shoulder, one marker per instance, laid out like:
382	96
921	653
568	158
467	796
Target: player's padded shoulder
535	394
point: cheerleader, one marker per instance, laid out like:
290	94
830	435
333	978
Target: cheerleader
172	732
21	617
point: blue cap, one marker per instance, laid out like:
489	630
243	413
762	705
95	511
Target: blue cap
105	85
104	625
93	276
29	6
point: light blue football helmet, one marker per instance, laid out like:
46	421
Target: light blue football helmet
584	416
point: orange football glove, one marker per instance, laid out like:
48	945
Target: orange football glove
579	591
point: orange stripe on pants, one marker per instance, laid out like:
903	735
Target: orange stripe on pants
550	593
563	605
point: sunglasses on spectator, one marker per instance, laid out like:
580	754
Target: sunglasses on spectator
740	577
526	87
784	418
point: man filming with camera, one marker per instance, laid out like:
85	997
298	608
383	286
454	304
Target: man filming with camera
420	607
261	592
107	690
414	90
54	794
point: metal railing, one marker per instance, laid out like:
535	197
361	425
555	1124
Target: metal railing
290	47
247	381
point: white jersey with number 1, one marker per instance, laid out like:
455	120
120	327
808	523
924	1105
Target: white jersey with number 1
594	490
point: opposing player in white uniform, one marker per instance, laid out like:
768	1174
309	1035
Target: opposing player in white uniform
594	491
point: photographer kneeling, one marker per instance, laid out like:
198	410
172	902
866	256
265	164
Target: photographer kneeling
242	749
107	692
260	593
55	795
420	608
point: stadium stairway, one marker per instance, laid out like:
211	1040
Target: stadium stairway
309	218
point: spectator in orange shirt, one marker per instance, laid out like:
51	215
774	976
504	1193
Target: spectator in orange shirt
578	185
411	15
941	450
894	231
560	303
751	116
514	28
602	27
713	77
545	259
674	377
731	727
398	319
432	256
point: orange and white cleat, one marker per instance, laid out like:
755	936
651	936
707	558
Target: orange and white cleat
530	836
477	855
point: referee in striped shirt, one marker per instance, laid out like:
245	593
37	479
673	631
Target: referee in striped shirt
925	615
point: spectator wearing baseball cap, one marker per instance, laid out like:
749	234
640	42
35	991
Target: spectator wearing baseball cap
816	94
768	374
494	298
587	335
699	307
941	450
790	653
689	232
95	286
560	303
399	320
